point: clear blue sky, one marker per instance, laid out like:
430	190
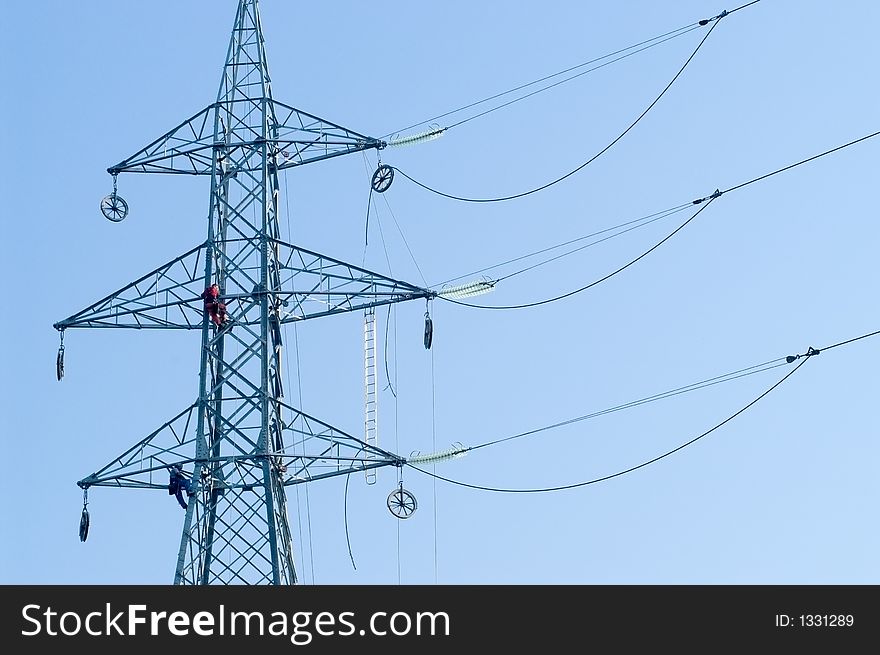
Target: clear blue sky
784	493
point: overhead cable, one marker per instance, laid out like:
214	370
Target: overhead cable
811	352
704	201
586	163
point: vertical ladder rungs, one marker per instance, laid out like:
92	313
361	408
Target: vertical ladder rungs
371	408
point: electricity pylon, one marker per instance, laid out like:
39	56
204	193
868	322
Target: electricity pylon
230	455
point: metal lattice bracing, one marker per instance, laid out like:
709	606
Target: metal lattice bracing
228	495
254	129
239	445
311	285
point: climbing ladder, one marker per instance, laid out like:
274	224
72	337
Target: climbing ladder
371	400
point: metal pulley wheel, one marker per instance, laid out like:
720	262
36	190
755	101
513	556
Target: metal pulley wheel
59	363
382	178
84	525
114	207
429	331
402	503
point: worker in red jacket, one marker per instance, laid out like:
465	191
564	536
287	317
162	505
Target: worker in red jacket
215	308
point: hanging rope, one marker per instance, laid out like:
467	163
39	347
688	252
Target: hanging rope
433	464
367	225
390	385
289	226
345	515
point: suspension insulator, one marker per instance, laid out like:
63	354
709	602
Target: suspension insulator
456	451
84	525
430	135
382	178
429	332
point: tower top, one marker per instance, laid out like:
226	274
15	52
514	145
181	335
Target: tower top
245	72
245	119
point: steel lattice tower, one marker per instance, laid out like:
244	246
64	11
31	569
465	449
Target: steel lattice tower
239	445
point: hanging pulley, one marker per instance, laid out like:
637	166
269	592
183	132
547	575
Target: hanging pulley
429	331
84	519
402	503
84	525
59	361
113	206
382	178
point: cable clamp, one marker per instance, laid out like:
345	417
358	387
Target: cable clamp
717	194
810	352
706	21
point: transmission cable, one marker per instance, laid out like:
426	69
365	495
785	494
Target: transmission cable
625	471
549	260
849	341
705	202
715	22
629	225
789	359
803	161
689	28
695	386
635	49
648	43
591	284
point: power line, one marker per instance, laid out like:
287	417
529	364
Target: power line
719	379
625	471
591	284
629	50
849	341
586	163
549	260
568	79
705	201
630	225
811	352
803	161
652	41
748	4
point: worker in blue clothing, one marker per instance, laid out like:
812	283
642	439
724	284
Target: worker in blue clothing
178	484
